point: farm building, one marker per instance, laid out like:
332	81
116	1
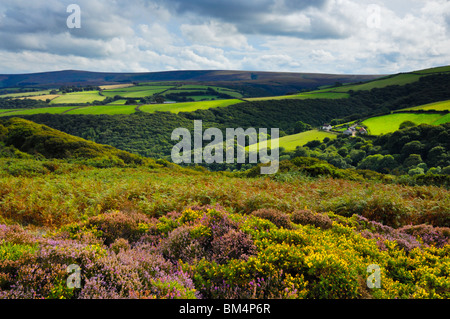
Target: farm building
348	131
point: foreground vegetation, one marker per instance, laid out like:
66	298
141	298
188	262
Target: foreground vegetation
137	227
154	232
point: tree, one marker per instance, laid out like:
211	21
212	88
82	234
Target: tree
416	171
159	99
370	162
446	170
406	124
356	156
412	160
300	151
301	127
387	164
130	102
313	144
413	147
436	155
379	163
343	151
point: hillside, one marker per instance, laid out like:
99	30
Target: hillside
40	140
139	228
166	232
147	132
259	82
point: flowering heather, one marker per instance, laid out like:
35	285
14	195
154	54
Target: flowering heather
407	237
307	217
436	236
210	252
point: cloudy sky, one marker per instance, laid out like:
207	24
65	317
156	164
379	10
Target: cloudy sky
326	36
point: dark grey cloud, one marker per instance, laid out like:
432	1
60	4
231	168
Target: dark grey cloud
20	17
238	10
41	26
155	35
257	17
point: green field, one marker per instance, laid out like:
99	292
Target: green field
78	97
24	94
439	69
7	110
51	110
187	106
400	79
442	120
437	106
290	142
194	88
105	109
118	102
390	123
186	89
303	96
136	91
139	88
119	107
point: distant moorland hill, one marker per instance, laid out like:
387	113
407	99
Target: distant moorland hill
288	81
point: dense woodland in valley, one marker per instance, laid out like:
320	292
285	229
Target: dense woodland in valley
149	135
141	227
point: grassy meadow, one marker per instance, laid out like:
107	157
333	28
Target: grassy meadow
290	142
51	110
136	91
110	109
400	79
119	107
391	122
303	96
26	94
437	106
78	97
187	106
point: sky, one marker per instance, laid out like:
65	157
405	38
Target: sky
322	36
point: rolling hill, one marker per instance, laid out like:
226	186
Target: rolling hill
74	191
258	82
36	139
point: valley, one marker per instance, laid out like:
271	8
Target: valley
87	179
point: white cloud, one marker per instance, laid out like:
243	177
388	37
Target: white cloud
333	36
215	34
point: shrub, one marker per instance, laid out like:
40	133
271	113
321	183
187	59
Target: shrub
381	208
307	217
116	224
277	217
437	236
382	233
119	244
233	245
15	234
180	245
436	217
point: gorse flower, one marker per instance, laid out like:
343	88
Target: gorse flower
209	252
